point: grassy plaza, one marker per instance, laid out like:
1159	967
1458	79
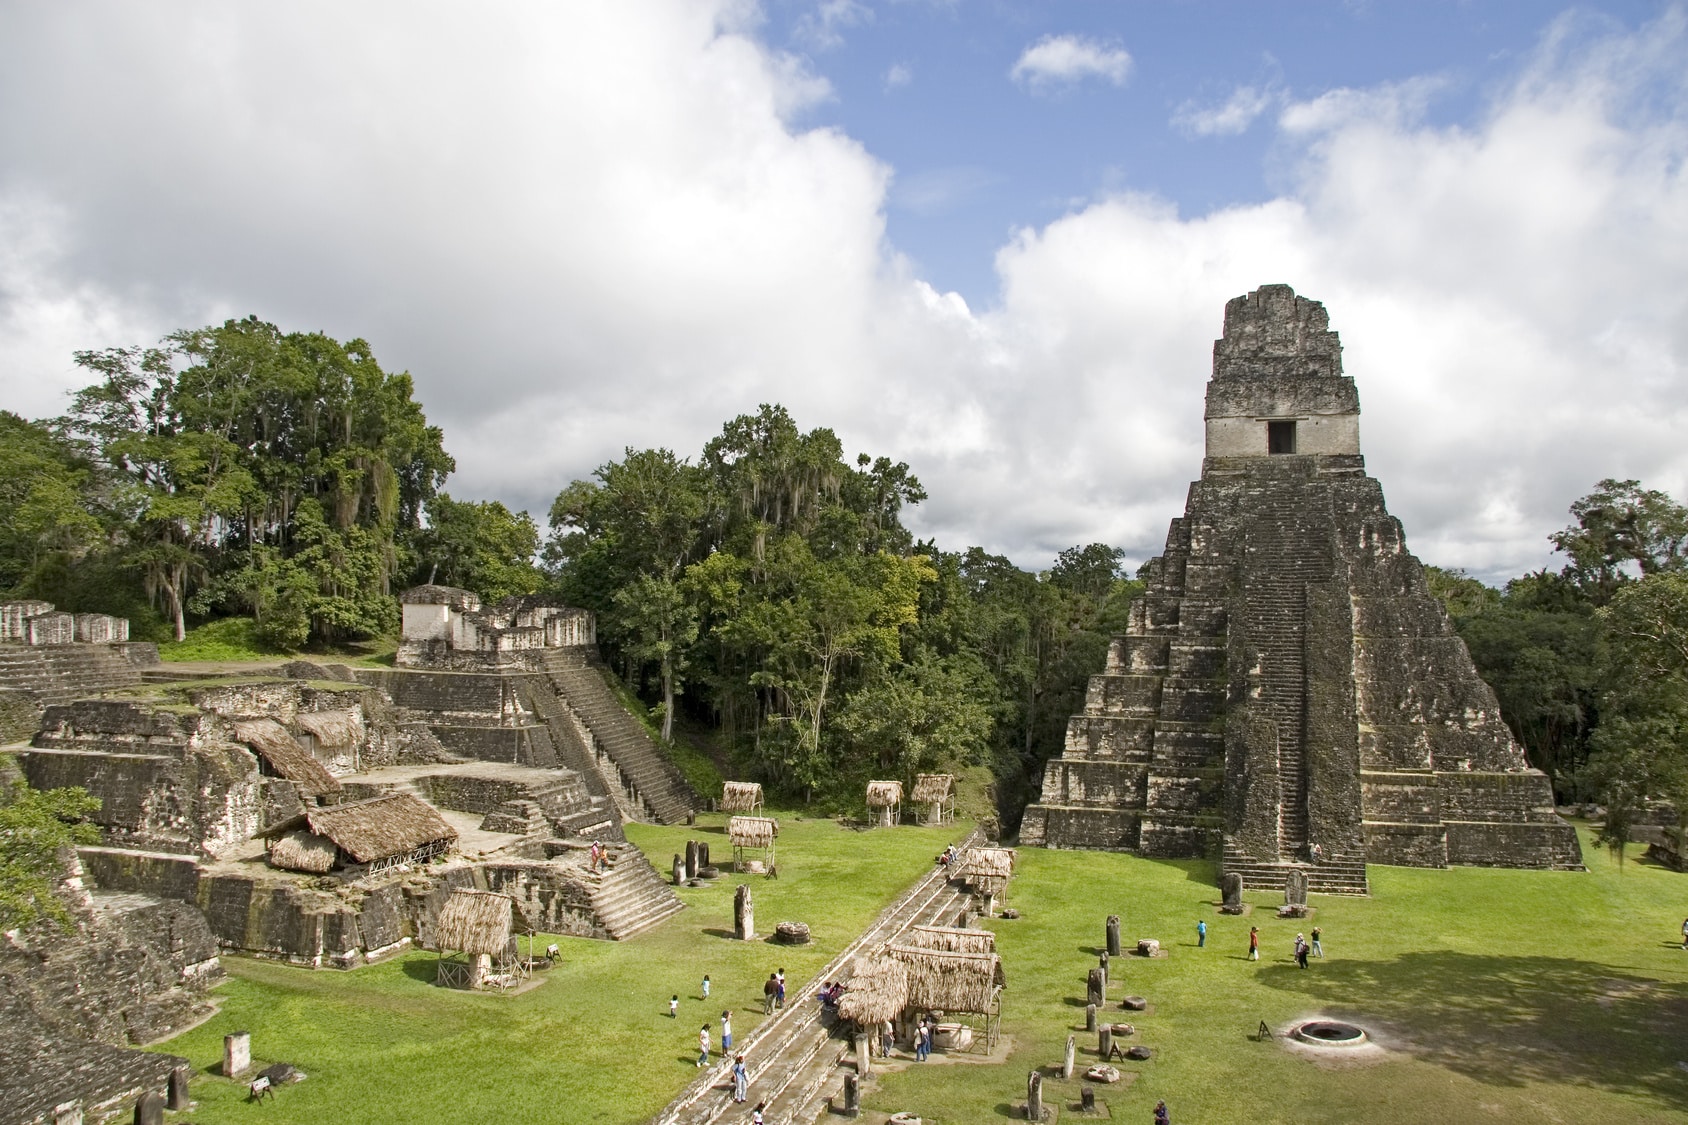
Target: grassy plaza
1507	996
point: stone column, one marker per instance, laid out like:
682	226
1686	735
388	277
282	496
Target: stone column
691	859
864	1053
744	914
479	966
1067	1059
1090	1017
1105	1041
1096	989
1102	963
679	871
703	853
1231	890
1087	1099
1295	887
237	1054
1113	935
1034	1096
178	1098
852	1096
150	1109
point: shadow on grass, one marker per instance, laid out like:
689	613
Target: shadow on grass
422	969
1510	1021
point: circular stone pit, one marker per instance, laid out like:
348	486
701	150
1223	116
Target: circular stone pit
1331	1033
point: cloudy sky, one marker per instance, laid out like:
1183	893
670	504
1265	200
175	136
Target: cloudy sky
991	238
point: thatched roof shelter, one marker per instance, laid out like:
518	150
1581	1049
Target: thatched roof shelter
300	851
929	787
332	728
394	825
950	982
876	991
475	922
752	831
271	742
884	794
987	869
741	796
950	940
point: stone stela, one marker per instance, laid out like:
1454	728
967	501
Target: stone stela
1289	694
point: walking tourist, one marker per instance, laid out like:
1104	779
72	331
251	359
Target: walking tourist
703	1046
1162	1115
1685	933
756	1114
726	1032
770	989
779	979
1201	933
887	1039
741	1080
1318	950
674	1006
706	986
1254	943
1301	951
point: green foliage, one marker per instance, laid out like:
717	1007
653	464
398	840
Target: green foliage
251	470
1622	529
45	521
227	638
480	546
36	827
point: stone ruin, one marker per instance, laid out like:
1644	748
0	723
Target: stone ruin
446	627
1289	694
523	682
48	656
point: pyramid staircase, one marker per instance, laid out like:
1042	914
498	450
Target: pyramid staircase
629	897
647	777
40	676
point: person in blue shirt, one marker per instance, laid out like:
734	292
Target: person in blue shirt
1201	933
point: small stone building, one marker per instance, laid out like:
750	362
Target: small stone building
1289	692
446	627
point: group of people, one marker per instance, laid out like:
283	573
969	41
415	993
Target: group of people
947	857
773	992
1303	947
597	857
703	1035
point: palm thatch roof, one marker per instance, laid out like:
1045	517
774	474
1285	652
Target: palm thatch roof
270	741
876	991
475	922
332	728
987	869
950	982
929	787
300	851
884	794
950	939
752	831
741	796
393	824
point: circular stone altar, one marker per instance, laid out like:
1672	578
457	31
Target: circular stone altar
1331	1033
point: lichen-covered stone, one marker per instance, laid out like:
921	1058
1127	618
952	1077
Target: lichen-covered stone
1289	693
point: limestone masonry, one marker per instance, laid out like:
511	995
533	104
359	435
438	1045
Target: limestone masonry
1289	693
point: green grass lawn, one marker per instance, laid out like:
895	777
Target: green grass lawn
1504	996
593	1043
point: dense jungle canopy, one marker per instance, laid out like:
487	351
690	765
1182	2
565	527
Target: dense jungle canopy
763	595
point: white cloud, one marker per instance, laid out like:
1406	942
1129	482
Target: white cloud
898	76
1064	60
822	29
1232	116
596	227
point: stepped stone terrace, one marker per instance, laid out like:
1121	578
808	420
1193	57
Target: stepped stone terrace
1289	694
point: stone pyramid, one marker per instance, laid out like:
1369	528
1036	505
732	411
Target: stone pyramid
1289	694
